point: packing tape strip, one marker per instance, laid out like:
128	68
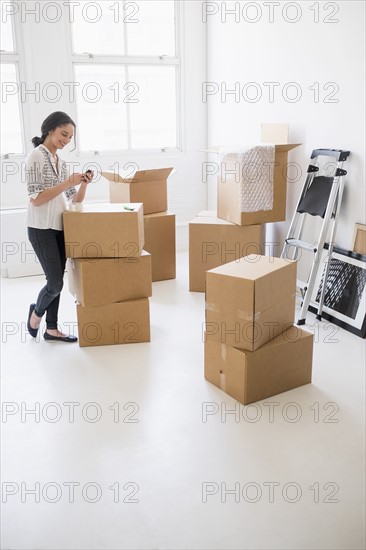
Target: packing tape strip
240	313
223	352
222	381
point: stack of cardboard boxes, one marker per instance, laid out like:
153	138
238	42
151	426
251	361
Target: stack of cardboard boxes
252	349
150	188
216	239
109	273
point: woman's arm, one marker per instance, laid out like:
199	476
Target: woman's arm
52	192
79	197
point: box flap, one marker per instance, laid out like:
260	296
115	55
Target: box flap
150	175
140	175
112	176
284	147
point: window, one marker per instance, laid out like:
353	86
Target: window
126	71
11	126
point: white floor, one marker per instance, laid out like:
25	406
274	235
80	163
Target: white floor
176	471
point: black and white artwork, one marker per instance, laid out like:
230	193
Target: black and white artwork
345	296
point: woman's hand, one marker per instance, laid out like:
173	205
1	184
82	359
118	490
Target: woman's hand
75	179
88	176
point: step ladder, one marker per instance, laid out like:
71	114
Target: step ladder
321	196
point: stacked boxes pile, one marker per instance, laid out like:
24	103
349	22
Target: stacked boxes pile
150	188
109	273
252	349
218	238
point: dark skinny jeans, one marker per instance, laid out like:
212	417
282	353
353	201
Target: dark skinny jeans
49	246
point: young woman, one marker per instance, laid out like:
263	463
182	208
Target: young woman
48	182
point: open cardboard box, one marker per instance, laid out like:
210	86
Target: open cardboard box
146	186
229	194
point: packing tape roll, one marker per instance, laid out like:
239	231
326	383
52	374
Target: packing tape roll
76	207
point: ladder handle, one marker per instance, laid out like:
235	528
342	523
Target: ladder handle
340	154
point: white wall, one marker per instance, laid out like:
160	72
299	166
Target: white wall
46	59
304	52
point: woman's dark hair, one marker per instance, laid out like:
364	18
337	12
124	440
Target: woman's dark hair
53	121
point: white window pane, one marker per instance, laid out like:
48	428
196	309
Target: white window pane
6	37
98	27
153	116
154	31
101	107
11	129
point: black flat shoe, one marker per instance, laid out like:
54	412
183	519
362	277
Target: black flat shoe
32	331
70	339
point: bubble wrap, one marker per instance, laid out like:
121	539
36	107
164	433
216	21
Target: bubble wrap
253	171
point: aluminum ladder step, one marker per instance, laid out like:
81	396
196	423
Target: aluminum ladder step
311	247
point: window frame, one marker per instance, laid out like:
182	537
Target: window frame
15	58
129	60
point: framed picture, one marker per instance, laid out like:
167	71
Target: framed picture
345	294
359	239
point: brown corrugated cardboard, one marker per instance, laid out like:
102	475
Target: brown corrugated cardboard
104	231
100	281
250	301
146	186
228	201
122	323
214	242
359	239
160	242
283	364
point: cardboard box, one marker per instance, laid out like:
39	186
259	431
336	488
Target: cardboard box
229	193
122	323
104	231
100	281
146	186
214	242
283	364
250	301
359	239
160	242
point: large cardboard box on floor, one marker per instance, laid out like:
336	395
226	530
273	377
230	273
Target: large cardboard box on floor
146	186
230	189
214	242
104	231
160	242
283	364
121	323
100	281
250	301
